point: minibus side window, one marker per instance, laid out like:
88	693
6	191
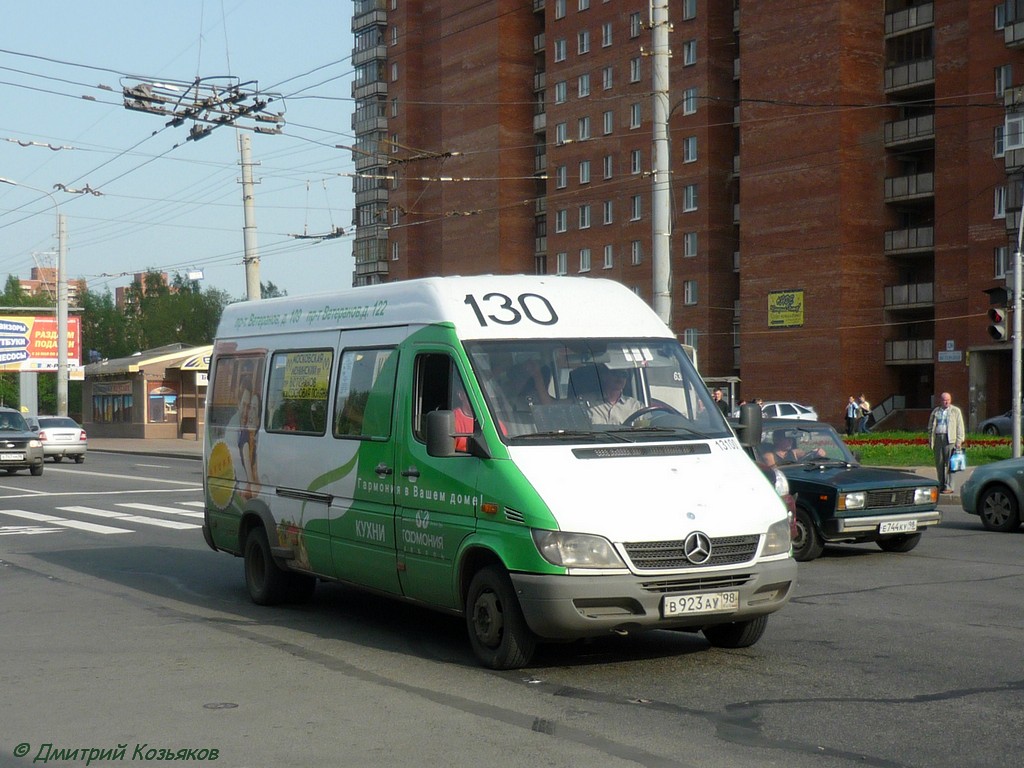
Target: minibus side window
366	392
297	391
439	387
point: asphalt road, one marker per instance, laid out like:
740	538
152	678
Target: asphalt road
141	638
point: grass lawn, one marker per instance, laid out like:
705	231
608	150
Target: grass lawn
910	449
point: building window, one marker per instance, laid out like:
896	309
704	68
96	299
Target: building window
583	41
584	85
690	292
609	256
999	257
561	263
607	122
689	244
635	161
690	149
394	35
584	4
1014	133
1000	22
1000	203
609	215
394	71
584	217
606	164
689	53
999	141
635	25
394	251
559	9
560	49
561	92
584	128
584	259
561	177
1004	79
690	337
636	252
689	101
561	220
606	34
634	70
394	143
636	208
634	115
690	197
689	9
584	172
561	133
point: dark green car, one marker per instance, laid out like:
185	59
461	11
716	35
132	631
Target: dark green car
838	500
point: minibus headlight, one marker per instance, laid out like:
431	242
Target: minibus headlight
856	500
778	539
576	550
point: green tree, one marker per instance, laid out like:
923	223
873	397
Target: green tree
270	291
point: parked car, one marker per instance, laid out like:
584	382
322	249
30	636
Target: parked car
838	500
20	447
995	493
62	437
1001	425
777	409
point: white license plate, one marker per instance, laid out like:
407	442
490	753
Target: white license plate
62	438
706	602
12	456
898	526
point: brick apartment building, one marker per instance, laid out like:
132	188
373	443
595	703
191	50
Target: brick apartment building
846	176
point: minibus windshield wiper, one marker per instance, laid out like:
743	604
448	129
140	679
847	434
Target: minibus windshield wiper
562	434
658	430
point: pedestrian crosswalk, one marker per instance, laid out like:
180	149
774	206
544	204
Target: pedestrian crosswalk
113	519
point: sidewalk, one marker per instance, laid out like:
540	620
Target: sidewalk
181	449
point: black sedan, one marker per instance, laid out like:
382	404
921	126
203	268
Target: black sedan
837	499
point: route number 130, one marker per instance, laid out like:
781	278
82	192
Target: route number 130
504	310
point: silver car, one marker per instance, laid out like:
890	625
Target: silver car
62	436
994	492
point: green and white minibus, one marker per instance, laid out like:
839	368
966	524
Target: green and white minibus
536	454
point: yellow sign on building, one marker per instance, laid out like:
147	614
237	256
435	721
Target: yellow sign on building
785	309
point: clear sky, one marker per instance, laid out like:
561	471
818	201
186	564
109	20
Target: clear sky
168	203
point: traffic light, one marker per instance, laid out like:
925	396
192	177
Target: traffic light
997	326
999	300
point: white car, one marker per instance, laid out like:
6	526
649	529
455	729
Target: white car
776	409
62	437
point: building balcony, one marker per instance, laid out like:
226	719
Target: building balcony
910	352
910	20
1013	34
364	161
911	76
540	246
736	213
540	122
736	68
362	124
376	195
366	13
908	241
540	164
379	52
910	132
920	186
369	90
538	6
540	81
1013	159
538	43
736	165
909	296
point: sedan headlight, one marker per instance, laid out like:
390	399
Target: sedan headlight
926	495
781	483
856	500
778	539
576	550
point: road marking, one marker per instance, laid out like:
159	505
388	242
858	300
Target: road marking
190	483
200	504
78	524
122	517
158	508
25	530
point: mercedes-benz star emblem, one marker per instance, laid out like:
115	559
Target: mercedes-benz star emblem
697	548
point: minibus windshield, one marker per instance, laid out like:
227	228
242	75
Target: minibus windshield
594	389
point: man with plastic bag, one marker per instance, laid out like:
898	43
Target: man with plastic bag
945	435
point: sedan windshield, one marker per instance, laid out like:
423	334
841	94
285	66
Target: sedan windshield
794	443
594	389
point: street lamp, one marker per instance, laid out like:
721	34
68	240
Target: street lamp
62	300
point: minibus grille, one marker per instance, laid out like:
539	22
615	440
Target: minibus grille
667	555
664	586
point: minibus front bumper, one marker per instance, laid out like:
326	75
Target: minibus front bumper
570	607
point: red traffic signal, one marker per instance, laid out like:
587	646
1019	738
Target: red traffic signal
997	328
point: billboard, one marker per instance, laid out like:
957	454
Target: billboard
29	343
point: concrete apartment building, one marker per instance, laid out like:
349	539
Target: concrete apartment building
846	176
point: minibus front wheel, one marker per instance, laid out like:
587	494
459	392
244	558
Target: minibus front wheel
497	630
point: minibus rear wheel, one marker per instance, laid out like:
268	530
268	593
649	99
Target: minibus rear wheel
497	630
268	584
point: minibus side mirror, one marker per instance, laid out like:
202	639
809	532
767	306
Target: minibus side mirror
748	429
440	431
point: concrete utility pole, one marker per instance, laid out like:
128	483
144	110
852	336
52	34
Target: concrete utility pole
251	258
62	317
1016	376
661	192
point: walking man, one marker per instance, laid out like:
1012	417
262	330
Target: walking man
945	434
852	412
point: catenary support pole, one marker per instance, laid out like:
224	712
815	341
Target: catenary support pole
661	192
251	259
